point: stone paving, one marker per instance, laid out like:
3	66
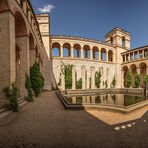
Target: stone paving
46	124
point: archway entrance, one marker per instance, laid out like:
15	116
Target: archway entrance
22	52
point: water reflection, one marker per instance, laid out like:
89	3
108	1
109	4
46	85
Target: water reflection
106	99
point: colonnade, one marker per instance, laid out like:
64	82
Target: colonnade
141	69
135	55
82	52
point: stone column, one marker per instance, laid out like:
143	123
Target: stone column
114	60
147	70
138	70
83	76
73	78
74	100
106	56
82	55
91	54
92	77
23	42
143	53
88	79
72	54
62	81
61	51
32	57
99	55
122	79
24	6
29	16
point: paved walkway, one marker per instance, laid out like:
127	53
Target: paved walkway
46	124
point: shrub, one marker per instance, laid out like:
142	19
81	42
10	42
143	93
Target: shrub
29	88
12	94
137	80
98	79
79	84
37	79
128	79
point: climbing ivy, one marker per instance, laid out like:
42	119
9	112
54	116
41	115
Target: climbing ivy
98	79
113	83
137	80
67	71
128	79
79	84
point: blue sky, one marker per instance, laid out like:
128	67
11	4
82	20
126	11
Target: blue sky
94	18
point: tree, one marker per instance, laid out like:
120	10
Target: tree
28	86
137	80
98	79
37	79
128	79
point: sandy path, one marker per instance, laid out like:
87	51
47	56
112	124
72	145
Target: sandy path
46	124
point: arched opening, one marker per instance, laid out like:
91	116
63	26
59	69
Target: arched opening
123	42
95	53
20	26
86	50
103	54
125	71
142	67
133	72
56	49
111	41
110	56
22	53
77	51
31	50
4	5
66	50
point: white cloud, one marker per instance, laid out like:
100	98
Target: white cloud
46	9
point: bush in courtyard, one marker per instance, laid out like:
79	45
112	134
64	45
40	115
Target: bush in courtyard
79	84
12	94
137	80
98	79
37	79
128	79
113	83
29	88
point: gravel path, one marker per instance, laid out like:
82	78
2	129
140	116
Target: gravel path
46	124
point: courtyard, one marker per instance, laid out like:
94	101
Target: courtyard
45	123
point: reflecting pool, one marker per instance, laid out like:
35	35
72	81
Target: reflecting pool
106	99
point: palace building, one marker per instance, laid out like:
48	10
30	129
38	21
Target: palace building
26	37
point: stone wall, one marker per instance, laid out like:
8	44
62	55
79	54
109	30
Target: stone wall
81	68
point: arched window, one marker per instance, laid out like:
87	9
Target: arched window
103	54
110	56
86	50
66	50
56	49
95	53
77	51
123	42
111	41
